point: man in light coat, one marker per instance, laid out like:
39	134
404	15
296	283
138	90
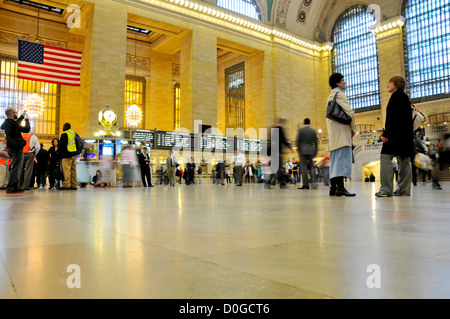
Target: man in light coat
307	150
171	166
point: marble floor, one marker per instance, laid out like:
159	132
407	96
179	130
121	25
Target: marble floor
221	242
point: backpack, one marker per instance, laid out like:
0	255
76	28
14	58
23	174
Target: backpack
79	144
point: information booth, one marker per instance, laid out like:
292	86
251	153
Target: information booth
104	153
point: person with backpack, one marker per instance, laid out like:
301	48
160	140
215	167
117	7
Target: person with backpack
69	148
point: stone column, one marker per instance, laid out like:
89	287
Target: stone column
105	61
198	74
160	103
391	60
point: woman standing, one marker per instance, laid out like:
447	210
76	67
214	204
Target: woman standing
397	141
54	162
129	162
340	139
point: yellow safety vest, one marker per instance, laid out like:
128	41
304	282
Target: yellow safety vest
71	146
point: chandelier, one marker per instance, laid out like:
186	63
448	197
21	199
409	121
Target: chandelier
133	115
34	105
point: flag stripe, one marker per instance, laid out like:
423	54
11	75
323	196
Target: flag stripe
48	64
74	68
64	61
48	47
59	56
47	79
48	75
62	53
45	71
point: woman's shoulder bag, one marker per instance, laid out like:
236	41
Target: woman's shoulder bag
336	113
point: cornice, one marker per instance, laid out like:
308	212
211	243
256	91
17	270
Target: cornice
200	13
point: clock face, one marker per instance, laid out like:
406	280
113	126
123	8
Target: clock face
110	116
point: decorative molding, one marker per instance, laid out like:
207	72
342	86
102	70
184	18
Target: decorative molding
303	10
140	63
12	38
281	12
176	70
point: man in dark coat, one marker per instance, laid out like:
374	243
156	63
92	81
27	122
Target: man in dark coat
307	150
279	142
397	141
144	160
15	143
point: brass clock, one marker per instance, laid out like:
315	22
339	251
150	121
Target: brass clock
107	117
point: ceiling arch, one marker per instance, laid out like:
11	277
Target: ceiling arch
314	19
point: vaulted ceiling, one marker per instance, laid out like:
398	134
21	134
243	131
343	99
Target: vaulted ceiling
314	19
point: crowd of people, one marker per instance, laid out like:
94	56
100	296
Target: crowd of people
25	164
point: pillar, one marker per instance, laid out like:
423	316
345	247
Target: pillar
198	74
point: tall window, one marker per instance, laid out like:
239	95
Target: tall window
134	95
245	7
427	48
355	55
14	92
235	96
176	106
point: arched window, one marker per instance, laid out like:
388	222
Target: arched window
247	8
355	55
427	48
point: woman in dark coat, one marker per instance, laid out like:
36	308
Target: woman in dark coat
397	141
54	161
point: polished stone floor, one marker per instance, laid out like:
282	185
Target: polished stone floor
211	241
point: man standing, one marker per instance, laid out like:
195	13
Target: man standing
280	142
190	168
5	161
307	149
15	143
220	171
144	161
68	152
199	172
239	162
42	160
29	150
171	164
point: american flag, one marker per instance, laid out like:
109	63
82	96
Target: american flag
44	63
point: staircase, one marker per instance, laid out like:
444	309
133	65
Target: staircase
444	175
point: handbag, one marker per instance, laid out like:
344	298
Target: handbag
336	113
57	172
418	117
422	161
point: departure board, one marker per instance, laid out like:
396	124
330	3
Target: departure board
168	140
217	143
249	145
143	135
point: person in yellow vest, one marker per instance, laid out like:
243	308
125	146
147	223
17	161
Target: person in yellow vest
29	151
5	161
68	152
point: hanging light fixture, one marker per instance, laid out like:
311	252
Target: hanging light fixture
133	113
34	105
